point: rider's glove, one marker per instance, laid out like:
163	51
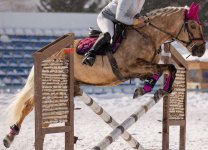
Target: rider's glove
139	22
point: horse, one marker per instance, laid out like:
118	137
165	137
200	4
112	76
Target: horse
136	57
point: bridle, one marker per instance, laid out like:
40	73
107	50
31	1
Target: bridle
191	42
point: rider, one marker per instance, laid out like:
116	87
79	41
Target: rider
123	11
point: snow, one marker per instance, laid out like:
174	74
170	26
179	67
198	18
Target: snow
186	53
204	58
91	129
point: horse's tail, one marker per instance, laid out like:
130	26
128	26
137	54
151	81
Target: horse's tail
26	94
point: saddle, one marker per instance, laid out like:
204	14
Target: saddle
86	44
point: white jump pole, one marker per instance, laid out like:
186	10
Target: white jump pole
126	124
110	121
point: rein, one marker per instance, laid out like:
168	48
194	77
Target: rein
174	38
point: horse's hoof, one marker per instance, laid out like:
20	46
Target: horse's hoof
7	141
75	139
138	92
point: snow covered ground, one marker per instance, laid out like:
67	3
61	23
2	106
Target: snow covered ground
91	129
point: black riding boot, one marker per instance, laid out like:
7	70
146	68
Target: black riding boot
90	56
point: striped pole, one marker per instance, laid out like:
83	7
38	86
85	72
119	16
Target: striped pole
110	121
126	124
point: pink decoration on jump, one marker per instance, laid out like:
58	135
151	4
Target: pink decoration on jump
193	12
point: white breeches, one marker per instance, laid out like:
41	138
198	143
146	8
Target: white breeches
105	25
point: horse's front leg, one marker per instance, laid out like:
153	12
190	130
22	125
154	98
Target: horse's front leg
153	73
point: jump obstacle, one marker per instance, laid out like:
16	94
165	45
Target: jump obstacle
54	92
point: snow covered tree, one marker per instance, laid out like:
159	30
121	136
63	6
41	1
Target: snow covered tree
71	5
97	5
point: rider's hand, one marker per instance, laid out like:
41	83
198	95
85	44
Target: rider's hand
139	22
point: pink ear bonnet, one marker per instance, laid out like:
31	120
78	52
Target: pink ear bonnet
193	12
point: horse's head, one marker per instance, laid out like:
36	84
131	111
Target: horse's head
191	34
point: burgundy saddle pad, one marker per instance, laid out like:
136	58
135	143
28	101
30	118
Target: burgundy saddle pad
86	44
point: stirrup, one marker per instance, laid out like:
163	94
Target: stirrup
89	60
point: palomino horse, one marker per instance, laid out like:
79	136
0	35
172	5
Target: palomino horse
136	58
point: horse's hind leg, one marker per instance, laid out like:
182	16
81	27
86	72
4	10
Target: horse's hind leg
154	72
14	129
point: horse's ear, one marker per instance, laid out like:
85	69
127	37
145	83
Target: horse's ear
189	12
192	6
196	8
192	13
196	12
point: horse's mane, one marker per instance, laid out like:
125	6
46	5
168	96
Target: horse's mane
165	10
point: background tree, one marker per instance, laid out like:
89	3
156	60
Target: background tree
97	5
71	5
204	17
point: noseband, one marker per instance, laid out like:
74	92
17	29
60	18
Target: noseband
192	38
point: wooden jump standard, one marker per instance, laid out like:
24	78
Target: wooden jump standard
175	105
54	92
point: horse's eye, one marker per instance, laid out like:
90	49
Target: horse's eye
193	27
